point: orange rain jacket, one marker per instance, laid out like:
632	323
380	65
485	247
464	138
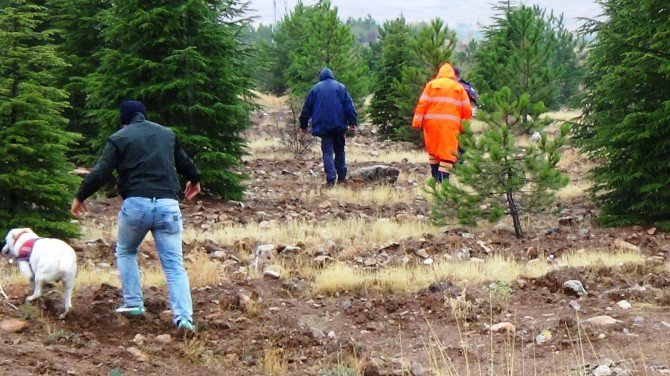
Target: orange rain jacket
442	107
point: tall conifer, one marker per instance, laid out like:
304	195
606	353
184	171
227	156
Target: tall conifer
183	61
35	184
627	107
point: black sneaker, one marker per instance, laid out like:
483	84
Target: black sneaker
342	181
330	184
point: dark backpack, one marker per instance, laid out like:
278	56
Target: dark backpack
472	93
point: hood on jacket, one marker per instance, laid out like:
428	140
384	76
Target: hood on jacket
129	109
446	72
325	74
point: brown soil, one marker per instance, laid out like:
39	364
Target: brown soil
371	332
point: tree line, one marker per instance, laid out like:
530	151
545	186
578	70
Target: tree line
66	65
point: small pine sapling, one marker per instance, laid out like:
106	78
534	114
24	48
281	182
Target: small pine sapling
498	174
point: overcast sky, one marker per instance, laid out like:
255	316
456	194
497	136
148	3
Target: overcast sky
453	11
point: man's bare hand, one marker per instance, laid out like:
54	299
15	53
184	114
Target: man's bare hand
191	190
78	208
303	130
352	127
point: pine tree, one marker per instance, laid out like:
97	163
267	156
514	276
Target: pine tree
79	42
183	61
532	52
325	41
517	52
35	183
396	54
499	176
627	107
433	46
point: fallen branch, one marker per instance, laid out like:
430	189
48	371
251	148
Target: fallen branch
2	291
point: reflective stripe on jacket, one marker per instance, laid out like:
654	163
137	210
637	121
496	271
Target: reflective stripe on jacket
442	107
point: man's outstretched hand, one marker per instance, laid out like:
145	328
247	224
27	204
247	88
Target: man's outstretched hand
191	190
78	208
352	127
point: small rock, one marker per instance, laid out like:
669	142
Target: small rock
139	355
416	369
428	261
552	230
625	246
602	336
164	339
468	235
369	261
532	252
322	260
325	205
575	305
375	326
139	339
574	287
332	335
602	370
103	265
439	286
666	324
602	320
422	253
219	255
317	333
651	231
638	320
271	274
375	174
623	304
565	221
291	250
506	326
166	316
13	325
346	304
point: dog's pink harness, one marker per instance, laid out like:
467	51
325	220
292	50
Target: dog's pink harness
26	249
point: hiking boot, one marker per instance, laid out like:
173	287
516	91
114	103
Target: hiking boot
130	311
342	181
330	184
186	325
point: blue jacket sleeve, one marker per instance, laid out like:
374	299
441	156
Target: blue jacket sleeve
349	109
307	110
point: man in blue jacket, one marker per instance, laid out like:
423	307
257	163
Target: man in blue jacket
332	111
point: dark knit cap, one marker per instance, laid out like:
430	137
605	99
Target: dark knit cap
130	109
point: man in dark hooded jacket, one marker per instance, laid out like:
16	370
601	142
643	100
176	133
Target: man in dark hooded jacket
332	111
148	158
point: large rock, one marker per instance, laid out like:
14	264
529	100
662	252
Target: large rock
375	174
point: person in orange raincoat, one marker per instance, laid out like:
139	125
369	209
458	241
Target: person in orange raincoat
442	108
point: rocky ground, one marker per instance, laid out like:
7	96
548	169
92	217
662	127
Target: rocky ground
607	319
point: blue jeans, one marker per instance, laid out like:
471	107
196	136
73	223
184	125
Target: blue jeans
333	144
162	217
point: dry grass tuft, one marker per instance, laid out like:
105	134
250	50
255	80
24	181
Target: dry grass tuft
377	195
600	259
341	232
274	362
203	271
341	277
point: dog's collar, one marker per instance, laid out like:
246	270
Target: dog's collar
26	250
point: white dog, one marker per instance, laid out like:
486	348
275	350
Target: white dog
44	261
